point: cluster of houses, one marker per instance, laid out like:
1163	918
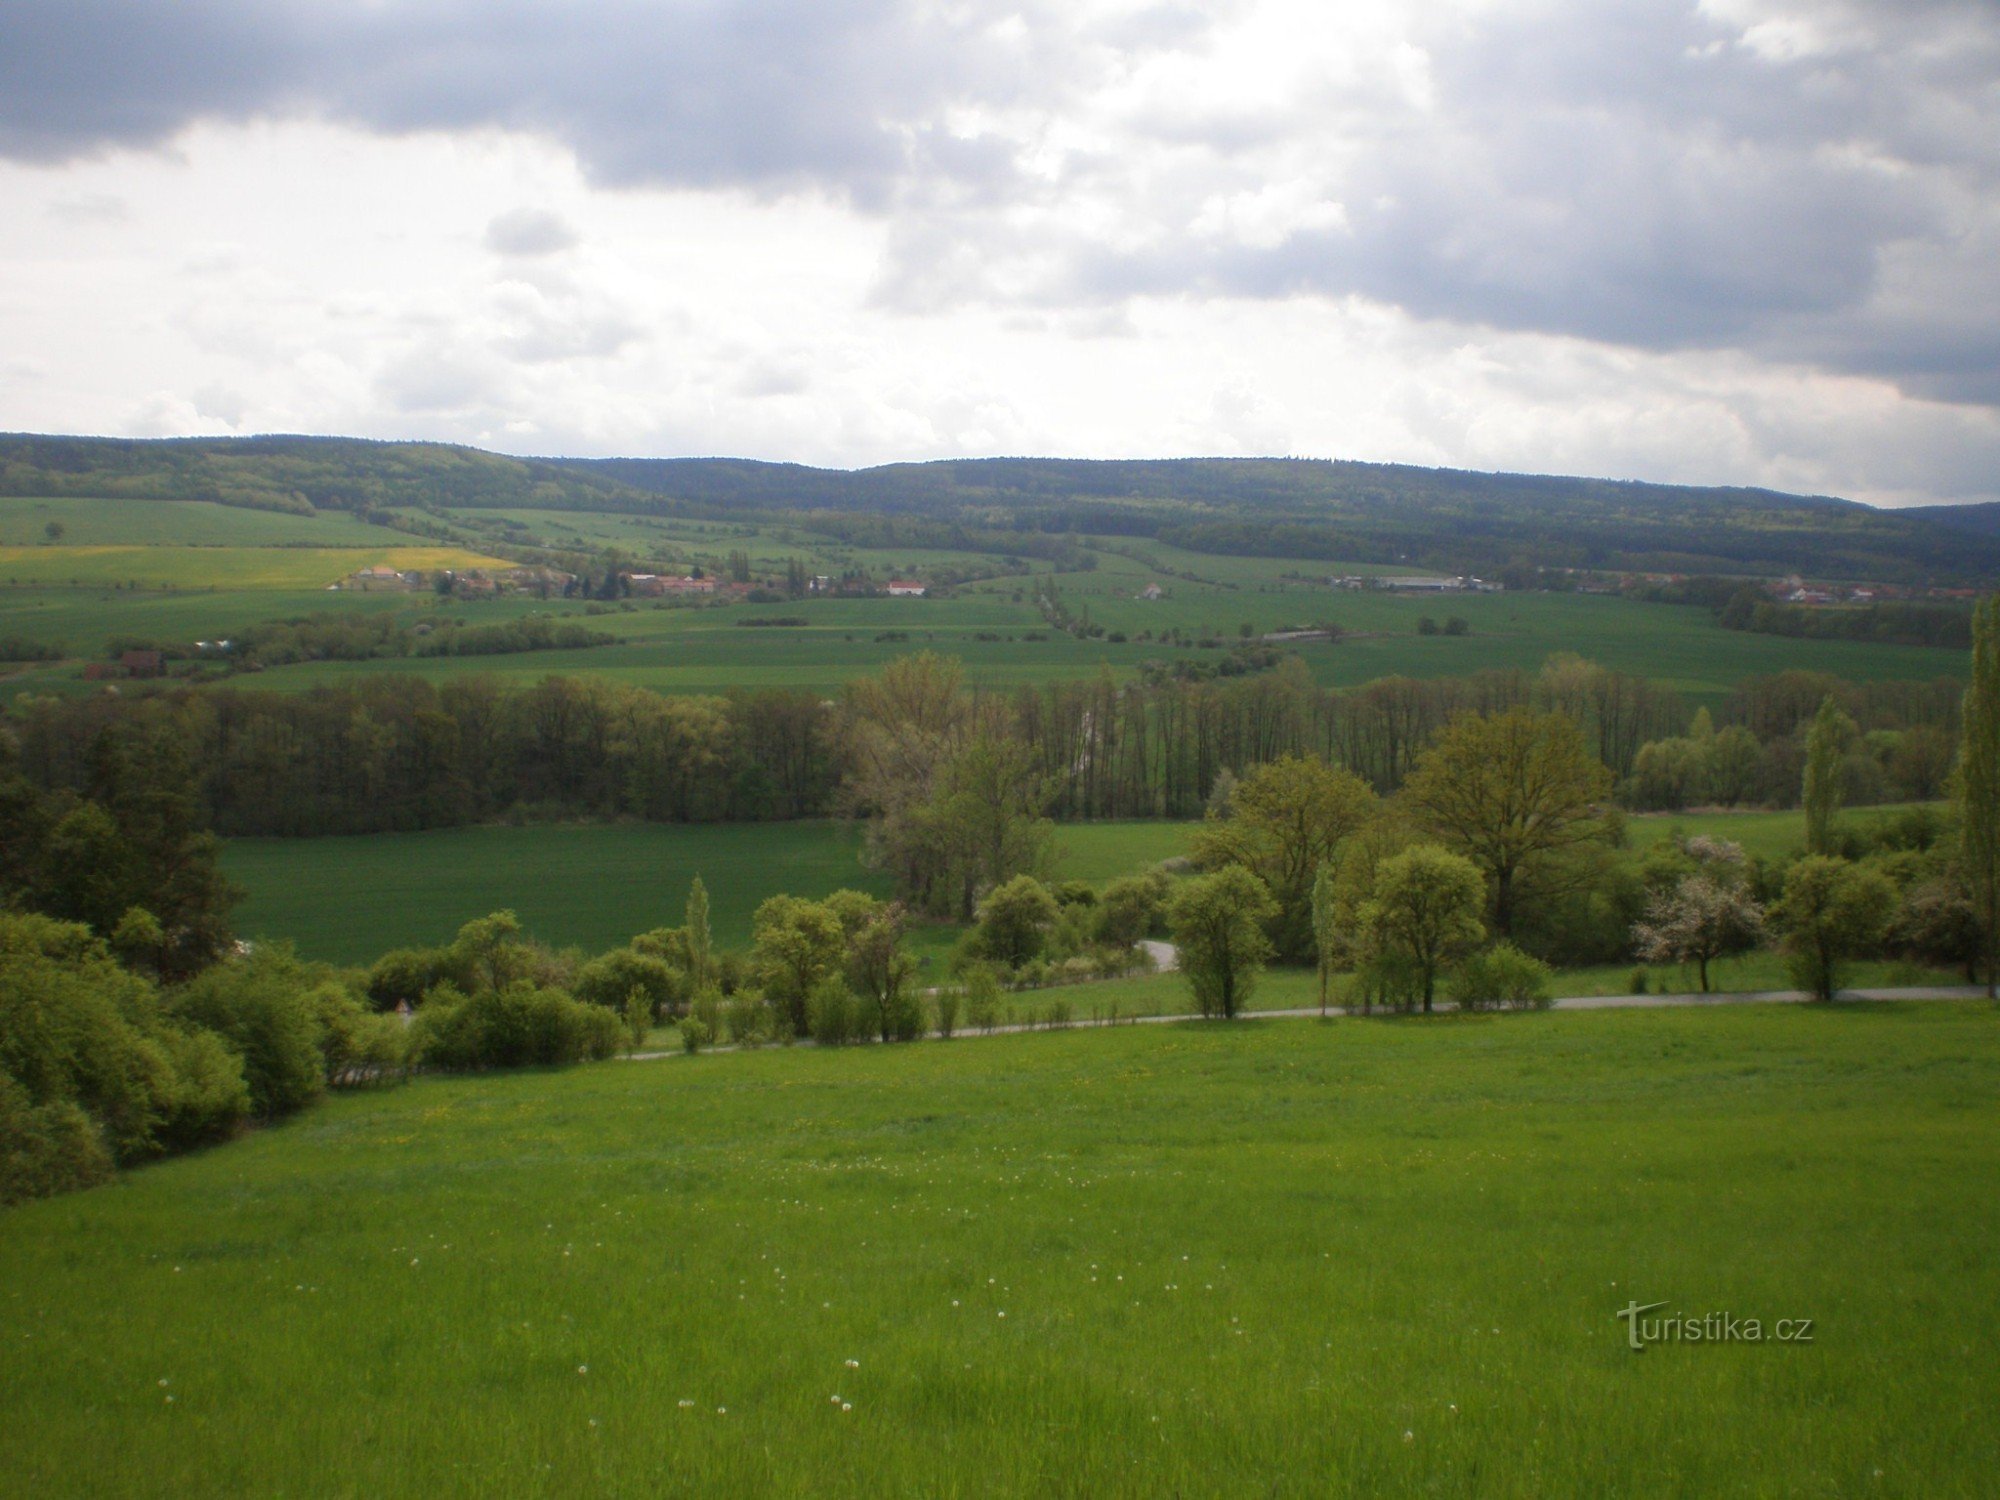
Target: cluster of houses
1465	584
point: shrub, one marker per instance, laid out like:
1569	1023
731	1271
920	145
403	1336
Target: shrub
610	979
517	1026
946	1005
748	1020
1502	978
46	1148
833	1013
259	1005
695	1034
982	998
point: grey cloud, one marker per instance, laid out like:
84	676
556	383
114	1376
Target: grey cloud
1641	174
771	95
530	232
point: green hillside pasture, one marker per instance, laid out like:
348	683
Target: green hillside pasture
177	523
1380	1258
218	567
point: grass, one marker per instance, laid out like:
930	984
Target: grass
1284	1258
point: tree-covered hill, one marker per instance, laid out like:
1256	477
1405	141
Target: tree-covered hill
298	474
1388	513
1313	510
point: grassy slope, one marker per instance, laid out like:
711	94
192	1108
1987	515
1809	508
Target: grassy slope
1279	1258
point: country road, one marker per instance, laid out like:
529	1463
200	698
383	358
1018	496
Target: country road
1568	1002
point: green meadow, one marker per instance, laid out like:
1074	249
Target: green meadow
1282	1258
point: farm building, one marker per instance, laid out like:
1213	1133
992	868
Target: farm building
905	588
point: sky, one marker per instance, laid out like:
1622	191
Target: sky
1729	242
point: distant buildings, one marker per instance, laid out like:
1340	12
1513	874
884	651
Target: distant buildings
905	588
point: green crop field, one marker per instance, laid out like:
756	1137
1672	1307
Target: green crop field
1286	1258
347	900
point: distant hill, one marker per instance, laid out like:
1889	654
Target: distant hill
1309	509
1362	512
298	473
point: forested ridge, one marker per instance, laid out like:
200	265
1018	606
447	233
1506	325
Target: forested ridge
1326	510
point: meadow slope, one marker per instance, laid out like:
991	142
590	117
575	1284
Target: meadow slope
1272	1257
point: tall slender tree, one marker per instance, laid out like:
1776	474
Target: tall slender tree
1826	742
700	941
1978	785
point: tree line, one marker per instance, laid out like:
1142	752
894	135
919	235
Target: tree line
395	753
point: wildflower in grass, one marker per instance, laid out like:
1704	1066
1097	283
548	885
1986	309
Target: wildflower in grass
583	1369
847	1406
686	1404
854	1364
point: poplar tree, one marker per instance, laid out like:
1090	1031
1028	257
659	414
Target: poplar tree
1826	743
1978	785
700	943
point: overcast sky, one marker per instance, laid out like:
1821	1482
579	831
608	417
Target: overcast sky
1740	241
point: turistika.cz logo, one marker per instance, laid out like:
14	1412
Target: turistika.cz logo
1707	1328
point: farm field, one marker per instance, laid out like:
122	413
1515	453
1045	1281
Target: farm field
1025	1265
706	651
348	899
219	568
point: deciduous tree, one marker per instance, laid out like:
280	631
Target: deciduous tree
1218	926
1425	910
1504	788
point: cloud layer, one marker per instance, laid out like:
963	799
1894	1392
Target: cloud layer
1534	221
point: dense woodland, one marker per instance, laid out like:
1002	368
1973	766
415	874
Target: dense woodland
398	753
1386	513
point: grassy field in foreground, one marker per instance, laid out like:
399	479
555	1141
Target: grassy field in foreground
348	900
1377	1258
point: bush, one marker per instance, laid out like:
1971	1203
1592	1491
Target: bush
259	1005
514	1027
946	1004
46	1148
982	998
1502	978
695	1034
748	1020
610	979
833	1014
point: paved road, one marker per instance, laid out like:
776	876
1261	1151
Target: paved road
1568	1002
